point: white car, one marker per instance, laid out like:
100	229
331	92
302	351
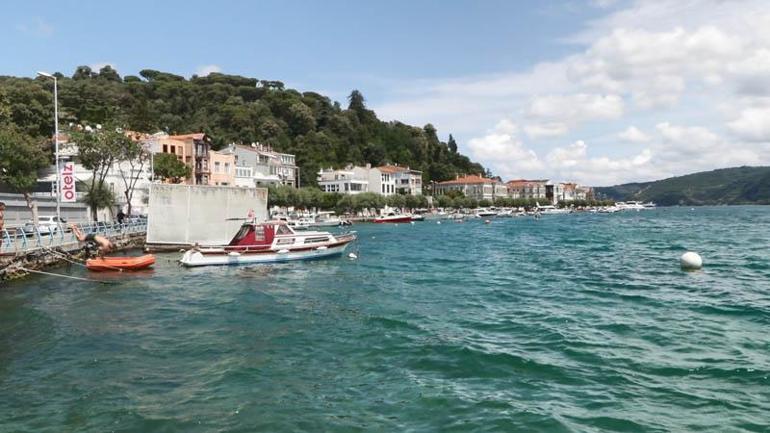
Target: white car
45	225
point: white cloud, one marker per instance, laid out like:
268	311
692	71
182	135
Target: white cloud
678	64
752	124
502	146
204	70
575	108
633	135
546	130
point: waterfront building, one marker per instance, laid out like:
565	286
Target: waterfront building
223	168
114	179
474	186
343	181
268	167
406	180
192	149
527	189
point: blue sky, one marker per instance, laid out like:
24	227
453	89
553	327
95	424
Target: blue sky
598	91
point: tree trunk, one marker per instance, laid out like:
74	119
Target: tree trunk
32	207
128	200
94	213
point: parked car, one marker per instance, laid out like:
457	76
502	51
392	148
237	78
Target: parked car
46	224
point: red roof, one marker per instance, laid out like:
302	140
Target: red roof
392	168
473	178
522	182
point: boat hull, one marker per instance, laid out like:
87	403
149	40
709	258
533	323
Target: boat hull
120	263
193	258
403	219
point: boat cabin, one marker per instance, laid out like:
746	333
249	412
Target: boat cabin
260	234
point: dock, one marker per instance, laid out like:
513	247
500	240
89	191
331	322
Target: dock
20	250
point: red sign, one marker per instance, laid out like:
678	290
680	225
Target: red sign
68	193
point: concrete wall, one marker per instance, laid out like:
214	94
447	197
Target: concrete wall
188	214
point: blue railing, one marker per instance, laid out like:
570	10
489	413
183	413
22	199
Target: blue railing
22	240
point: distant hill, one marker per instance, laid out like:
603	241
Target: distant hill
738	185
230	108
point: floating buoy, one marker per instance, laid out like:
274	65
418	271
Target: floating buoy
352	256
438	222
691	260
411	222
487	222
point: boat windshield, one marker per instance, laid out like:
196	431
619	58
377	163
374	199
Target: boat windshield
283	230
242	233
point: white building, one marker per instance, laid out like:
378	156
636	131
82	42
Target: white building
345	181
474	186
268	167
406	180
115	181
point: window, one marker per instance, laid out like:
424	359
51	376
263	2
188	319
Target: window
216	167
165	148
227	167
173	149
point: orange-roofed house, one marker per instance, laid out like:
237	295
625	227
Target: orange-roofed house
527	189
474	186
192	149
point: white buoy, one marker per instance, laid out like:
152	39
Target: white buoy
352	256
691	260
487	221
438	222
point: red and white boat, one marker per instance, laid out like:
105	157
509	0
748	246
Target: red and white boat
392	217
268	242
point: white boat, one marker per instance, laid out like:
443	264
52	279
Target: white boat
269	242
550	210
393	217
630	205
326	219
484	213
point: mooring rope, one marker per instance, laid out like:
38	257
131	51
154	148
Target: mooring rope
66	276
66	257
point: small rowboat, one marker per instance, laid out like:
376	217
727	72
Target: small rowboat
120	263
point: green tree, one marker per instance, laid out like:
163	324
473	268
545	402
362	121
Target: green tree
98	151
168	168
20	158
452	144
132	159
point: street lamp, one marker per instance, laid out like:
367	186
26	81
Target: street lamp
55	138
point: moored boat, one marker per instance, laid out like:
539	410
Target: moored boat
392	217
268	242
120	263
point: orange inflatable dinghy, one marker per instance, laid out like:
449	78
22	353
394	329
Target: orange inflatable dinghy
120	263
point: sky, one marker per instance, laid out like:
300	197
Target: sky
595	91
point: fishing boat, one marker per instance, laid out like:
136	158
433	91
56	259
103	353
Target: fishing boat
392	217
120	263
273	241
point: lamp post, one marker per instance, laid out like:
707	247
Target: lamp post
55	138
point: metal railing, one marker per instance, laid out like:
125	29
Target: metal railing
29	238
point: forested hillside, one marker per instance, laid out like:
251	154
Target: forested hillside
233	109
739	185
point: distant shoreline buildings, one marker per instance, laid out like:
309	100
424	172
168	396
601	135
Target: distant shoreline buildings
258	165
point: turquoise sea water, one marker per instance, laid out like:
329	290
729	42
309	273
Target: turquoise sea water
573	323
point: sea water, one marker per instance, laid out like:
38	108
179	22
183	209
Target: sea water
569	323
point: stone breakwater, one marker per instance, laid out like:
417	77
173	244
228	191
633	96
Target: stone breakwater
15	265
